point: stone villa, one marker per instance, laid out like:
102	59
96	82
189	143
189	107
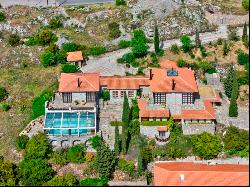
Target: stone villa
164	92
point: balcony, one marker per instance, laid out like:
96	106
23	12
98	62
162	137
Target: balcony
161	138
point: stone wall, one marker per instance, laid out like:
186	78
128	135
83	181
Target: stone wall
213	79
149	131
189	129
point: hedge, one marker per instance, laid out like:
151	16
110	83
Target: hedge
116	123
154	123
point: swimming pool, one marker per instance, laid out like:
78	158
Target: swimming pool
69	123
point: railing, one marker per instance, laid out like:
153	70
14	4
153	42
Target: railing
161	139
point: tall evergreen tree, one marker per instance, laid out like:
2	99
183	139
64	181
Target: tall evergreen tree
139	155
139	43
197	39
225	48
233	108
245	35
228	81
117	141
125	120
156	40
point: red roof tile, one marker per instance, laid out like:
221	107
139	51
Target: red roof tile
89	82
74	56
196	174
124	82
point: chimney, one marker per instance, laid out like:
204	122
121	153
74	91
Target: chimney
78	83
173	84
150	74
182	177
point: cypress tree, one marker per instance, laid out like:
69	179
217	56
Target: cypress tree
245	35
139	164
197	39
228	81
117	141
156	40
125	120
233	108
225	48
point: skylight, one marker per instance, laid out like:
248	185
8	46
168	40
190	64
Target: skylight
172	72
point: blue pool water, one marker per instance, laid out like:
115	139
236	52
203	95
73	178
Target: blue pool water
66	123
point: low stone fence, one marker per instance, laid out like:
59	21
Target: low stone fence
189	129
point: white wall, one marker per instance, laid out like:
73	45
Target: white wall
174	102
79	96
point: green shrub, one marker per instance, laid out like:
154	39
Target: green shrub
14	40
232	33
94	182
204	80
205	66
22	141
2	16
147	155
139	43
67	180
186	43
114	31
245	4
3	93
128	57
206	145
126	166
46	37
96	141
7	173
5	106
116	123
70	68
70	47
76	154
154	58
154	123
59	157
181	63
160	53
134	127
60	57
120	61
211	71
243	58
120	2
32	41
135	64
203	51
55	23
97	50
124	44
106	95
244	152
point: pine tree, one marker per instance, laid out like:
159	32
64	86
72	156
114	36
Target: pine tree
125	120
197	39
117	141
225	48
233	108
228	81
156	40
245	35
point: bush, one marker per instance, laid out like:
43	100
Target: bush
97	50
55	23
205	66
124	44
59	157
5	106
70	47
114	31
160	53
7	173
126	166
47	59
94	182
135	64
22	141
134	128
243	58
147	155
186	43
154	58
61	57
14	40
128	57
2	16
203	51
38	146
181	63
206	145
120	61
32	41
46	37
70	68
235	139
120	2
139	43
89	156
106	95
174	49
34	172
67	180
3	93
154	123
96	141
76	154
245	4
116	123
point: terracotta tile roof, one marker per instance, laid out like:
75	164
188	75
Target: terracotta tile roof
124	82
74	56
145	112
166	64
89	82
184	81
197	174
162	128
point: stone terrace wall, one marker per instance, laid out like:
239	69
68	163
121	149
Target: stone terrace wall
189	129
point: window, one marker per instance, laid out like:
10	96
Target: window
162	133
131	93
90	96
159	98
115	94
123	93
67	97
187	98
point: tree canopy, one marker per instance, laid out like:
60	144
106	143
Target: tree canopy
139	43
